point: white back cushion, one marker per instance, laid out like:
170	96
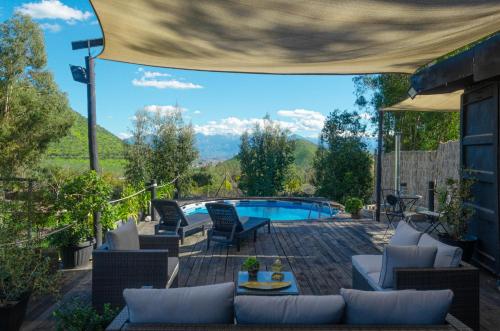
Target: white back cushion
407	307
447	256
211	304
405	235
404	257
123	238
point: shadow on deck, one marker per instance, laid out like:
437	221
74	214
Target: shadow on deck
319	254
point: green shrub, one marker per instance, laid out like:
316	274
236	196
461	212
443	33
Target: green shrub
251	263
81	316
353	205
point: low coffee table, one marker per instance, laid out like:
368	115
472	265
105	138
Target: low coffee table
265	276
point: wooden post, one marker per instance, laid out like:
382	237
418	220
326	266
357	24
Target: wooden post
152	189
379	164
92	138
430	190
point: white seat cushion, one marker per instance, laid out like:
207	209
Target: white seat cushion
405	235
124	238
447	256
211	304
404	257
407	307
289	309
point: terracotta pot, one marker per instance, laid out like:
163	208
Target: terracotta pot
12	315
76	256
467	244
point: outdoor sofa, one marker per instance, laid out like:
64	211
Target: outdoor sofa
130	260
173	220
415	260
229	228
214	307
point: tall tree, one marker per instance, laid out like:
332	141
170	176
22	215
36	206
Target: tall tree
33	111
169	154
138	154
266	156
419	130
342	164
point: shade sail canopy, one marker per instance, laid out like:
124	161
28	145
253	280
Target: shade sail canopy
447	102
291	37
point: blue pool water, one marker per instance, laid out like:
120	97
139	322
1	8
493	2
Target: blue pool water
275	210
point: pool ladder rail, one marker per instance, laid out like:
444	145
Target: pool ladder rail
319	206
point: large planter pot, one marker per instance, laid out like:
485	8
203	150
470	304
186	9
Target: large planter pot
76	256
12	315
467	244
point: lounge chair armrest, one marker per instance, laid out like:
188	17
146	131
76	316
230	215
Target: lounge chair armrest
131	262
170	242
119	321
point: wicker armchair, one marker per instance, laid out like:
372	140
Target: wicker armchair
463	281
156	264
121	323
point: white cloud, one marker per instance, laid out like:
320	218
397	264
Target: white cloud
163	109
94	22
304	119
50	27
197	112
236	126
124	135
152	79
53	9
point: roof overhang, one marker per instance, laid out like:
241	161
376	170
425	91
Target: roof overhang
291	37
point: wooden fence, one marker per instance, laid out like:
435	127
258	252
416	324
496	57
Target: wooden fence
417	168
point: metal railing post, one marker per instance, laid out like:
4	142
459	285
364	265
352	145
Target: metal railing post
431	191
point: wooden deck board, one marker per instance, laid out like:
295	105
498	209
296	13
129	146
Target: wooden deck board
319	254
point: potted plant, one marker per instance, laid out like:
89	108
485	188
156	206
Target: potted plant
456	215
251	265
80	315
80	198
23	273
353	206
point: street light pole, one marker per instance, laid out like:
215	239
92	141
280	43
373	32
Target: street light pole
87	76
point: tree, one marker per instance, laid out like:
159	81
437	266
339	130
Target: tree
168	155
266	156
419	130
138	154
342	164
33	111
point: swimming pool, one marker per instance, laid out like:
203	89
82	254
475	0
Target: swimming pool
276	210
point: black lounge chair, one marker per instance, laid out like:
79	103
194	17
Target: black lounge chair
173	220
228	228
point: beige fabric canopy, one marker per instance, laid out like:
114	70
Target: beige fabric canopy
447	102
291	37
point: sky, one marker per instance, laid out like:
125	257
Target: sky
215	103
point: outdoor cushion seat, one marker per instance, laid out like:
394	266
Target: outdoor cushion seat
210	304
367	263
408	307
404	257
405	235
125	237
289	310
447	256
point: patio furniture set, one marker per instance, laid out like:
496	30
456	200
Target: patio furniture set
442	293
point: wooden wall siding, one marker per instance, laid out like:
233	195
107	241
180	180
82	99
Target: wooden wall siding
479	155
419	167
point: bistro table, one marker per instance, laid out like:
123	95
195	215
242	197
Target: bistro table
265	276
408	201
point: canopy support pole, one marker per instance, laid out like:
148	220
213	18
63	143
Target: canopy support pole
378	189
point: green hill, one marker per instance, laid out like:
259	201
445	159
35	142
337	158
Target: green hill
71	152
304	153
75	144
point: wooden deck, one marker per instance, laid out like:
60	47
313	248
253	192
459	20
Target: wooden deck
319	254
